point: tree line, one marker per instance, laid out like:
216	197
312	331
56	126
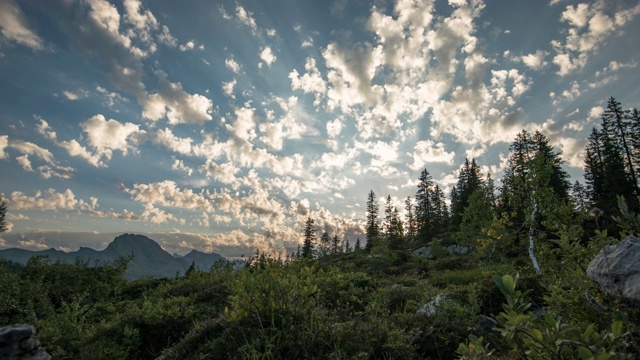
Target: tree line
533	198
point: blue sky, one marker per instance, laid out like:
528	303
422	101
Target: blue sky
222	125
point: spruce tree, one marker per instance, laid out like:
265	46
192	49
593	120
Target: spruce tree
357	246
423	206
336	248
3	214
309	238
410	222
372	227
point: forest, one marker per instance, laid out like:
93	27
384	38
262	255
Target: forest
491	270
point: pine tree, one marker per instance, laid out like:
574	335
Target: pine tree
3	214
410	222
347	246
469	180
357	247
616	120
325	244
336	248
372	229
423	206
580	198
309	238
387	226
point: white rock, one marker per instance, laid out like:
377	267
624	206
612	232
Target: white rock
617	269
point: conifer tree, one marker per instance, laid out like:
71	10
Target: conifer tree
410	222
347	246
372	227
423	206
3	214
336	248
309	239
325	244
469	180
357	246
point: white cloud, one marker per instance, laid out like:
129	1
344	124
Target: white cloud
535	60
170	141
24	162
267	56
429	152
176	104
142	20
77	95
589	26
190	45
310	82
4	143
596	112
14	27
179	165
232	65
166	38
246	18
228	88
224	173
49	200
106	136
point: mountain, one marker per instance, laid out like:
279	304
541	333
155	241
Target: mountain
149	259
202	261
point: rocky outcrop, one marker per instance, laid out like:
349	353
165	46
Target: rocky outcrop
431	308
423	251
17	343
452	249
457	249
617	269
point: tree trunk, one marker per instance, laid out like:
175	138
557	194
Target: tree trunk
532	255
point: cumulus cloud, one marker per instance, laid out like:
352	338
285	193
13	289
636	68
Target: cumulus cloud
106	136
49	200
267	56
176	104
535	60
232	65
4	143
170	141
14	26
589	26
429	152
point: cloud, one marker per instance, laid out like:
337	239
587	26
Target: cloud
106	136
49	200
535	60
232	65
310	82
228	88
24	162
589	26
166	38
267	56
77	95
170	141
176	104
4	143
14	27
429	152
246	18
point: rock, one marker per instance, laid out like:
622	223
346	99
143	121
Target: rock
617	269
457	249
423	251
17	343
431	308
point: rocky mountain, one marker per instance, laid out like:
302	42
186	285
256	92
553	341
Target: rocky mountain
149	259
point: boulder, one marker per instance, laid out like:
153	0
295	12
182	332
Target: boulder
457	249
431	308
17	343
617	269
423	251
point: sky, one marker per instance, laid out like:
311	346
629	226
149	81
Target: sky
223	125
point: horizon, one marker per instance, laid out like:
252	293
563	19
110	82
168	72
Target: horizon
222	127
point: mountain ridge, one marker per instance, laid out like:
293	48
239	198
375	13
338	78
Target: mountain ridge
149	259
